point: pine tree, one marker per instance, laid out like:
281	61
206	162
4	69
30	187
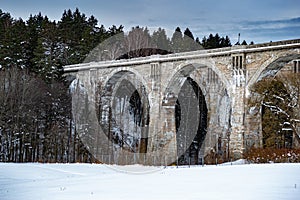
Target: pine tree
47	53
160	40
112	31
244	42
227	42
5	24
188	33
188	41
70	35
15	44
215	41
198	41
34	28
177	41
210	42
79	35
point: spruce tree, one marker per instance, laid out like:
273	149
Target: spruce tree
244	42
160	40
15	48
47	53
5	25
177	41
188	33
188	41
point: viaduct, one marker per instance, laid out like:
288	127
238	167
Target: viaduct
179	107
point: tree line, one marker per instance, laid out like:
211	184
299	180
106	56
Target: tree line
140	42
35	102
44	46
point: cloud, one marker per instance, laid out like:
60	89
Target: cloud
254	19
267	30
258	31
271	24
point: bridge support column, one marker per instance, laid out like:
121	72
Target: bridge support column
237	124
162	134
154	124
237	135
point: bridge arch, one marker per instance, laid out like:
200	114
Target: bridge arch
123	110
130	70
190	83
203	65
272	66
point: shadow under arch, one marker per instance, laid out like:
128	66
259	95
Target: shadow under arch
190	122
184	101
123	112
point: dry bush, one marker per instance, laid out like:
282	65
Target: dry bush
271	155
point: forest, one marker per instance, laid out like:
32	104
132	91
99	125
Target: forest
35	113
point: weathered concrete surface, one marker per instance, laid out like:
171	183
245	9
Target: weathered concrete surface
223	75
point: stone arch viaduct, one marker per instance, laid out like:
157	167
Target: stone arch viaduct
196	97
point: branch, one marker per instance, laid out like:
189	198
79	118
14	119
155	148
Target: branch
277	109
278	97
295	132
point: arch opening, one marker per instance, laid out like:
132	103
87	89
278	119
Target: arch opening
272	68
276	128
190	122
123	112
275	88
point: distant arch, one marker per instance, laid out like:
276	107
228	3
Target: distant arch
271	67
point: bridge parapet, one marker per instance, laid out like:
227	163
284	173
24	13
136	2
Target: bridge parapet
187	55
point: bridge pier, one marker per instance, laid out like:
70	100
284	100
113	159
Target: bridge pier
162	134
238	112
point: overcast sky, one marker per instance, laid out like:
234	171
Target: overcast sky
256	20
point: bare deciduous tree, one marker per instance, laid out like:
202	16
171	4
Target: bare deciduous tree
279	100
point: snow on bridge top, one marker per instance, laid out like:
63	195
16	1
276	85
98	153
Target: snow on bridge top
227	51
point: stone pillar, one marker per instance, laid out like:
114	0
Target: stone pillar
237	135
237	124
162	134
154	124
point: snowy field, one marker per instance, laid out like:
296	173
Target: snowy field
90	181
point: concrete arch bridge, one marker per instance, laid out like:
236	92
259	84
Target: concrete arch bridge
179	107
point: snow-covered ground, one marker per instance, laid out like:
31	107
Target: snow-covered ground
90	181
